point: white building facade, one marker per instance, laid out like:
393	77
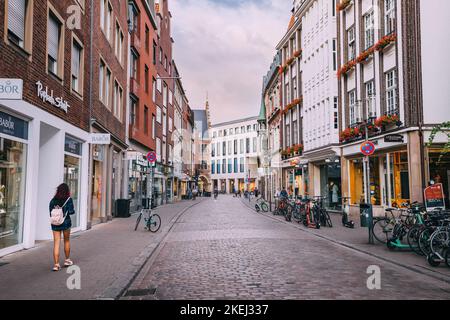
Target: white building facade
234	155
310	101
393	82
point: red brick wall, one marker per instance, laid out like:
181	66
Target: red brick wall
15	63
137	133
105	49
165	42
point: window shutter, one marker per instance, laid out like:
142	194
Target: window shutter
76	52
16	17
53	37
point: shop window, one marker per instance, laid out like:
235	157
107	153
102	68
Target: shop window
439	165
357	181
12	191
399	179
375	188
72	179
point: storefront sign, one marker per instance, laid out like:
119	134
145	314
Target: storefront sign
11	89
58	102
100	138
394	138
13	126
73	146
368	148
434	197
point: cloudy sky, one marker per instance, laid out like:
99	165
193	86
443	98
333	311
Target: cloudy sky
225	47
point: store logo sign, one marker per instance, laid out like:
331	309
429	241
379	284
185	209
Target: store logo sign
13	126
101	138
58	102
11	89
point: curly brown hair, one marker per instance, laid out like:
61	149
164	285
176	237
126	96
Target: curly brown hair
62	192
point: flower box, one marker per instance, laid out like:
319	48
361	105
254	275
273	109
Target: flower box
387	120
346	68
290	61
364	56
297	53
350	134
344	4
385	41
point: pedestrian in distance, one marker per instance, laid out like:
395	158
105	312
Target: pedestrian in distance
61	208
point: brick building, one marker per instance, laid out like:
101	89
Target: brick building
109	115
44	111
163	177
142	98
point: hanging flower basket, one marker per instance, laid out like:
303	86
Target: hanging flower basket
344	4
385	41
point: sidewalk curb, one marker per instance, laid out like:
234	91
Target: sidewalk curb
126	278
350	246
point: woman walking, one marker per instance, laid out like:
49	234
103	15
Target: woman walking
62	200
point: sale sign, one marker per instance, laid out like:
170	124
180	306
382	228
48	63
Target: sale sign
434	197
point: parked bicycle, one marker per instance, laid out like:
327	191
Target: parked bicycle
324	216
261	205
152	221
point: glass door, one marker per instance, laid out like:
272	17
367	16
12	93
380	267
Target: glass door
72	179
13	157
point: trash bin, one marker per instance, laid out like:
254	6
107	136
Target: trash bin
366	215
123	208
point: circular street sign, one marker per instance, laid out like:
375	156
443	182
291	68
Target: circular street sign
368	148
151	157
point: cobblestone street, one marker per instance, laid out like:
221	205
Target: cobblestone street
222	250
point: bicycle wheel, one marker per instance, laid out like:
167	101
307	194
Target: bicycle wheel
424	241
154	223
447	257
413	239
439	241
138	221
328	221
382	230
265	207
257	208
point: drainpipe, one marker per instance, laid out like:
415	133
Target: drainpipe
91	79
422	157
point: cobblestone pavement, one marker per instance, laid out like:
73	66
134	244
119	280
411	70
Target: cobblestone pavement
358	239
222	250
108	255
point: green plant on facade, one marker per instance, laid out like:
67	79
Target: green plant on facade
445	129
